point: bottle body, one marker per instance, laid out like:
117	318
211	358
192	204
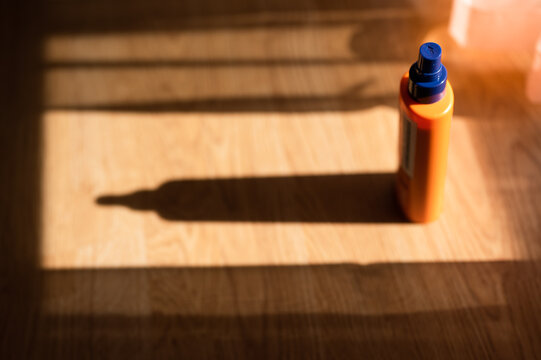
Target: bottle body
423	147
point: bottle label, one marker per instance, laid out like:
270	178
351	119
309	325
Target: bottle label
408	138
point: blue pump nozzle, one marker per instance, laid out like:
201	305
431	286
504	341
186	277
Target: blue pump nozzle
427	76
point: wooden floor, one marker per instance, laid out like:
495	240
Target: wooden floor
214	179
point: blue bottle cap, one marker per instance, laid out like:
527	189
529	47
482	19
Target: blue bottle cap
427	76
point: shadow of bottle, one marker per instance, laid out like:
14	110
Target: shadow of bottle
355	198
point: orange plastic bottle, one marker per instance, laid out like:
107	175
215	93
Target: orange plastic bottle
426	109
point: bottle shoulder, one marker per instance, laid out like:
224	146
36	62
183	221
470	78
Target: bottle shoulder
426	113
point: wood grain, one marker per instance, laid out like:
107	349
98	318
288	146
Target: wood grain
211	180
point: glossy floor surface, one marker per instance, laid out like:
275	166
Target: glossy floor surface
209	179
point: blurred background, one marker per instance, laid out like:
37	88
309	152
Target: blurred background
205	179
